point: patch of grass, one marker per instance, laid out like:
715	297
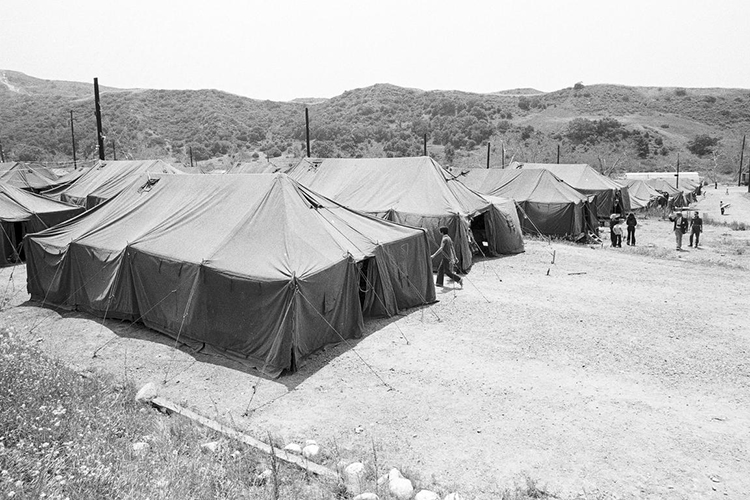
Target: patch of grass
63	435
734	225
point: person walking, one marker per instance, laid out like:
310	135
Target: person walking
631	222
447	259
679	228
696	228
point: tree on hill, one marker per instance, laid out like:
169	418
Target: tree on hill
702	145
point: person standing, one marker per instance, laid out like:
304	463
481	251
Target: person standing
631	222
696	228
678	220
612	224
447	259
618	234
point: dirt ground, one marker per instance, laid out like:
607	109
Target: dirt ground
610	373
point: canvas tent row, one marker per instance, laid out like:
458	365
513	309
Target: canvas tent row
106	179
256	267
675	197
609	196
416	192
21	213
546	204
642	195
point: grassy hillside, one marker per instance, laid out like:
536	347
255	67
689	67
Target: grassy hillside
614	128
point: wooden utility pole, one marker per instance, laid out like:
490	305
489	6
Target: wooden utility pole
502	155
191	156
558	154
2	153
98	113
488	155
742	158
307	131
425	144
73	138
677	180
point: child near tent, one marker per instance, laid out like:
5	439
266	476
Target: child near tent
617	230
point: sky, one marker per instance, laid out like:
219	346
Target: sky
286	49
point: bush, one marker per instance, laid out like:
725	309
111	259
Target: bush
680	92
702	145
578	86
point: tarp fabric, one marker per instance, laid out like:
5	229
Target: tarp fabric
257	267
416	192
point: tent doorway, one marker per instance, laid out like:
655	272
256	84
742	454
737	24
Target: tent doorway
478	226
19	232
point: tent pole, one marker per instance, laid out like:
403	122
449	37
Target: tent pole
307	132
488	154
98	113
73	138
425	144
677	180
558	154
742	157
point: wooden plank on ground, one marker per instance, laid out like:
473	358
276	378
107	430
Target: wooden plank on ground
290	458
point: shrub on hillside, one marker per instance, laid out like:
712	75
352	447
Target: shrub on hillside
702	145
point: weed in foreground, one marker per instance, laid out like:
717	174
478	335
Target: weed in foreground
66	436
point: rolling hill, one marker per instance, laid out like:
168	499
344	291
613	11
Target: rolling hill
611	127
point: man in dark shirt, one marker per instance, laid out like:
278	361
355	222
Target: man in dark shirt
696	228
447	259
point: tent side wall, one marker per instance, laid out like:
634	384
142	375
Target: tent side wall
552	219
503	229
401	277
458	230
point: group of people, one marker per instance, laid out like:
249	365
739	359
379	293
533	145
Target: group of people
615	229
681	225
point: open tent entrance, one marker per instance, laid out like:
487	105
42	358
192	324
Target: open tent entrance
478	228
12	239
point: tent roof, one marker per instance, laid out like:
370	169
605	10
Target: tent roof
107	178
640	192
254	168
578	175
417	185
663	185
537	185
264	226
28	176
19	205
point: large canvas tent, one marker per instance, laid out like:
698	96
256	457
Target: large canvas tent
106	179
22	212
31	177
256	168
609	196
642	195
676	197
547	205
417	192
256	267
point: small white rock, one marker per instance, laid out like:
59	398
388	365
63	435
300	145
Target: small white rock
213	446
453	496
354	478
147	393
236	454
366	496
293	448
311	451
264	476
399	486
140	448
426	495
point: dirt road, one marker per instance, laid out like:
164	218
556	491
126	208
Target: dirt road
624	372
